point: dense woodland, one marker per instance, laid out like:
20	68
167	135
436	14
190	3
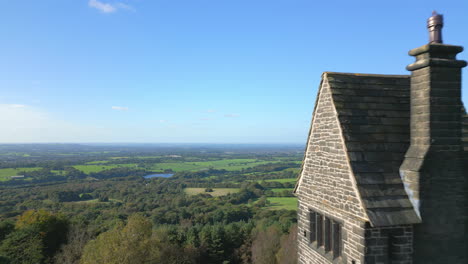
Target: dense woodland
60	214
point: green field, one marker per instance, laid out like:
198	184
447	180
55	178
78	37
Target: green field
144	157
227	164
282	180
281	189
216	191
93	201
278	203
58	172
98	168
5	174
295	170
97	162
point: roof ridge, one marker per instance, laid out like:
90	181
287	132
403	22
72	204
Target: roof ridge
368	74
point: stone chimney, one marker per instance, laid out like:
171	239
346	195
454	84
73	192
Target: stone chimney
432	171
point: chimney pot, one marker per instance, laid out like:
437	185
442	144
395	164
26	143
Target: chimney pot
434	25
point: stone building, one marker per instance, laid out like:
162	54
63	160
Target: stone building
385	172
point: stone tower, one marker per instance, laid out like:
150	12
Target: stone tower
433	172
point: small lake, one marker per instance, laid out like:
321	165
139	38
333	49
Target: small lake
158	175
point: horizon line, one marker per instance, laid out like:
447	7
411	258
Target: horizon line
194	143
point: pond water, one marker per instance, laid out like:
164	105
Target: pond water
166	175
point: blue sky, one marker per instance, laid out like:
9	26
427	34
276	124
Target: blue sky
201	71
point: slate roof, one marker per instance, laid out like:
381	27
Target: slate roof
374	113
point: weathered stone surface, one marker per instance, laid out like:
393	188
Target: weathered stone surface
389	244
465	133
375	128
326	184
360	137
395	207
433	171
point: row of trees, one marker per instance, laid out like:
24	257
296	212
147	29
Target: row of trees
171	226
39	236
57	218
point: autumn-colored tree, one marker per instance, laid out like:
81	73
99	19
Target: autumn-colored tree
52	228
132	243
38	235
288	248
71	252
265	245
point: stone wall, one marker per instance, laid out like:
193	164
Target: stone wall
353	235
389	245
433	168
465	133
327	185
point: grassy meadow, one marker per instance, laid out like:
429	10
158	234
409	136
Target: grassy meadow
226	164
5	174
281	180
97	168
281	189
278	203
216	191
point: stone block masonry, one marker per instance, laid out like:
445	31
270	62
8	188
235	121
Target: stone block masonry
389	245
433	171
327	187
385	171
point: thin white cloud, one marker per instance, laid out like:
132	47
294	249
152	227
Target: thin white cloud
120	108
108	7
29	124
205	119
231	115
162	121
15	105
210	111
103	7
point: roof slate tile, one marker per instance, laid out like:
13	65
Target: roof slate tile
374	115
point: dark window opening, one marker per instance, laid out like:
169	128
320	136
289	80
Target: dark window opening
313	226
336	239
326	232
319	230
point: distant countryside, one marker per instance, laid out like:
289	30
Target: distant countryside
215	203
